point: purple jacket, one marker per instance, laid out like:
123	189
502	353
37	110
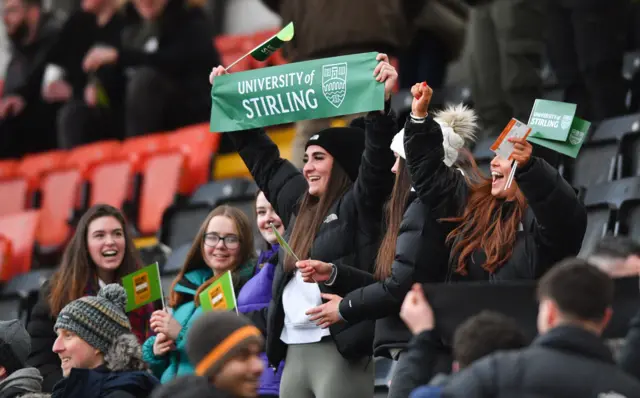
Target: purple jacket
256	295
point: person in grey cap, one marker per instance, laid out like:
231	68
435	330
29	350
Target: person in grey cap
99	355
15	345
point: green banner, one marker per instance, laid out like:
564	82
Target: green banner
219	296
551	120
271	45
321	88
575	139
142	287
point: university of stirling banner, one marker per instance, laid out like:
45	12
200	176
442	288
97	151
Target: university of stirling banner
315	89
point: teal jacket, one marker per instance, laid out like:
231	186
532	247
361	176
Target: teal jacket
176	363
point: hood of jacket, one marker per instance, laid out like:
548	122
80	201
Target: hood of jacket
192	280
23	380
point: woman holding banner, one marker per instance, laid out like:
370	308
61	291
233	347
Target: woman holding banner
100	252
412	250
223	243
496	232
333	212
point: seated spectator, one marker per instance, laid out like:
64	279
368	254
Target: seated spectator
569	358
168	48
93	103
477	337
223	243
99	354
100	252
620	257
15	378
26	120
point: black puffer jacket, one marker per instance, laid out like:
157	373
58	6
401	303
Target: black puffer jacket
421	256
553	225
352	238
565	362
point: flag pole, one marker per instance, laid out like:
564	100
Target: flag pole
236	61
164	307
512	174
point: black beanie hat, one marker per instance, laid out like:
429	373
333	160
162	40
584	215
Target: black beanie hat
345	144
217	336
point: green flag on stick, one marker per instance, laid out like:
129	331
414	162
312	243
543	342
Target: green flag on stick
283	243
269	46
220	295
555	126
143	287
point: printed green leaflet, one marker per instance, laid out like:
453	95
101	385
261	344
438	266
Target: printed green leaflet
283	242
143	287
321	88
271	45
575	139
220	295
551	120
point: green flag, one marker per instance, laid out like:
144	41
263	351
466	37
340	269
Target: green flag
551	120
220	295
283	242
272	44
317	89
571	147
143	287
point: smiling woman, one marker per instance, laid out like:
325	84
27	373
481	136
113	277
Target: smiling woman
100	252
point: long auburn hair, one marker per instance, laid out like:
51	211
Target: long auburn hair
195	257
77	270
394	211
312	213
482	224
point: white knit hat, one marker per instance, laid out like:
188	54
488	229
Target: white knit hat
458	124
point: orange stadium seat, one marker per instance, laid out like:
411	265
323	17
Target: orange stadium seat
8	168
59	190
232	47
198	146
13	195
20	229
33	166
6	270
161	174
137	148
83	156
101	180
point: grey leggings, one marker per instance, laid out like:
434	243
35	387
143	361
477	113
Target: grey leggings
317	370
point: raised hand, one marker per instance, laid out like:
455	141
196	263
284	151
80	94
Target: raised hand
421	93
416	311
217	71
522	150
163	322
386	73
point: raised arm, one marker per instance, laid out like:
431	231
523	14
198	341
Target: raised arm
560	217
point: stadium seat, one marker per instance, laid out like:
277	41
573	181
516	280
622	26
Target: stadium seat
627	195
13	195
60	191
631	155
198	146
33	166
11	308
384	368
180	223
631	210
6	271
597	163
176	259
616	128
20	229
161	174
8	168
101	186
137	148
215	190
84	156
25	288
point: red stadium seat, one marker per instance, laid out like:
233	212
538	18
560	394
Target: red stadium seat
198	146
33	166
137	148
101	180
84	156
8	168
13	195
20	229
59	197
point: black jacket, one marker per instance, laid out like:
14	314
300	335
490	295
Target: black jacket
40	328
565	362
629	359
554	223
352	238
28	62
421	256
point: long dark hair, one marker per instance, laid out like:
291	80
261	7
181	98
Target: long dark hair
394	211
77	270
312	213
195	258
483	225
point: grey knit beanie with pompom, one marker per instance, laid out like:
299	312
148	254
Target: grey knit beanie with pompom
98	320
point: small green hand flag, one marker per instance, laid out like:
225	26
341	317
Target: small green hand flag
264	50
554	126
143	287
283	243
220	295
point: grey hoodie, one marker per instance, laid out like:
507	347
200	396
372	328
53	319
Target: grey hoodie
20	382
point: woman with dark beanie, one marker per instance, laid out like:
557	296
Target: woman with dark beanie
333	212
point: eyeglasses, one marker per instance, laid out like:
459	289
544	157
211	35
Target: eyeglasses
230	241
